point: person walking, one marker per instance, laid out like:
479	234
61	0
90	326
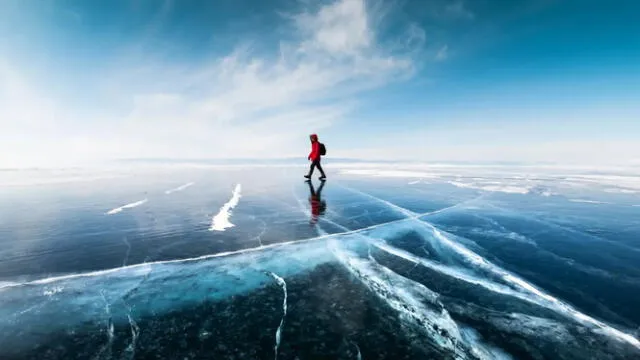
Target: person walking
317	150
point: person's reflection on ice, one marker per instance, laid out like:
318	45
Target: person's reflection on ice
318	206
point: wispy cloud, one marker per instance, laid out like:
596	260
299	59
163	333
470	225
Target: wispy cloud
246	103
459	9
29	118
443	53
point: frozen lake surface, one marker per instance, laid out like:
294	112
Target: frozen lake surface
379	263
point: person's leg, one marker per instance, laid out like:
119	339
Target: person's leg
320	168
311	168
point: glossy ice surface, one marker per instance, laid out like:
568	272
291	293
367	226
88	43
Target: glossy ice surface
254	263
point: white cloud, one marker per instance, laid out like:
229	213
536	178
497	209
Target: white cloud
243	104
443	53
341	28
459	10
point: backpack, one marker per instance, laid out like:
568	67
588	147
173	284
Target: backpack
323	149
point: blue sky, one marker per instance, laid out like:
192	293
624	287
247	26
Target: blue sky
485	80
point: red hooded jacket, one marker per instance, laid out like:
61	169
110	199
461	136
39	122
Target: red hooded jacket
315	148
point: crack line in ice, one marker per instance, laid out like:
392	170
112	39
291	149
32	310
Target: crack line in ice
135	332
126	256
221	222
283	284
401	295
583	234
400	298
405	296
410	270
301	205
454	206
110	329
404	211
128	206
198	258
262	232
403	300
29	309
478	348
179	188
458	248
358	354
456	273
523	284
408	212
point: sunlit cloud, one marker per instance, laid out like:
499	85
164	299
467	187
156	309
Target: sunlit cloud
444	79
247	103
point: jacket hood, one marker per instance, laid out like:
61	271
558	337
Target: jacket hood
314	136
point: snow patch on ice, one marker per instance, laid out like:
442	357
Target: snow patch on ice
588	201
179	188
221	221
511	189
128	206
620	191
626	182
4	284
389	173
52	291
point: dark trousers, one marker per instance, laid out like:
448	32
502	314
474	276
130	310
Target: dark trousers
316	164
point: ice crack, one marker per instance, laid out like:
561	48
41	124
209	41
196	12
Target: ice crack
262	232
126	256
135	331
283	284
519	283
110	329
358	354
